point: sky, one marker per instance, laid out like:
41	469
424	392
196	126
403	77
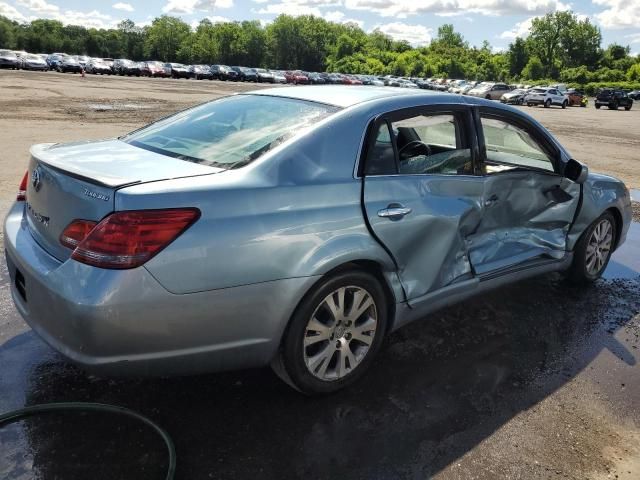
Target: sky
417	21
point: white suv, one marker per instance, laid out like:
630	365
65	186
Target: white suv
546	96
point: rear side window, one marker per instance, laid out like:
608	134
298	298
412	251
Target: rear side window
230	132
420	144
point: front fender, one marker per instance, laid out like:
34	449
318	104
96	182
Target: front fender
600	193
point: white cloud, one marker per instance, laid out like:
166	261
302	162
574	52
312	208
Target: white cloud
93	19
11	13
294	9
520	29
618	13
123	6
190	6
633	38
405	8
416	35
339	17
39	6
297	7
42	9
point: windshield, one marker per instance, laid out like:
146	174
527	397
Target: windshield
539	90
230	132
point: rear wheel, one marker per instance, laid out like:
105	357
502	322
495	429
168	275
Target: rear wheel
627	108
593	250
547	103
334	334
597	107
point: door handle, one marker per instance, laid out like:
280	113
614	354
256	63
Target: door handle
394	212
493	199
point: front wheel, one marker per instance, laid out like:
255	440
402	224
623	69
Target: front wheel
564	104
593	250
627	108
334	334
597	107
547	104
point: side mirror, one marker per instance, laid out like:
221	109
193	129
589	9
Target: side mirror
576	171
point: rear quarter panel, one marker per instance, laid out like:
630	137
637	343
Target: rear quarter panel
295	212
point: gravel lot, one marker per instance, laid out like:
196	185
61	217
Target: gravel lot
539	380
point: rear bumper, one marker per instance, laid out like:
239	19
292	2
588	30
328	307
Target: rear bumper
124	322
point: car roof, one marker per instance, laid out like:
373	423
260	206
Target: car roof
340	95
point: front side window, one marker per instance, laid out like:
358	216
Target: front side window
510	146
421	144
230	132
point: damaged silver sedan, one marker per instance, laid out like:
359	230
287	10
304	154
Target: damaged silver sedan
295	227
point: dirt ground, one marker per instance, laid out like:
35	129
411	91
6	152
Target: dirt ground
535	381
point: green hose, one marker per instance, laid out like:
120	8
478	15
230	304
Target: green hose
17	415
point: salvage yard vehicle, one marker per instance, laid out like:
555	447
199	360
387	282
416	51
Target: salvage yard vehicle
98	66
123	66
576	98
295	227
223	72
153	68
490	91
514	97
33	62
200	72
9	59
546	97
613	99
176	70
68	64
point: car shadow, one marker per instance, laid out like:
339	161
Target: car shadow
438	388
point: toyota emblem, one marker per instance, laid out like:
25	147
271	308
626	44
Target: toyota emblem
35	179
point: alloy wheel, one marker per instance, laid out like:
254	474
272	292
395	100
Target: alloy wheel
599	247
339	333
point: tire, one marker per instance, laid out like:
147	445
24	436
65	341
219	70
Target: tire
597	107
295	360
521	101
547	103
580	271
627	108
488	97
564	104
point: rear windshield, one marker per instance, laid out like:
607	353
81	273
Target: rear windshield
230	132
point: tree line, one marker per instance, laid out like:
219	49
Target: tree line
560	46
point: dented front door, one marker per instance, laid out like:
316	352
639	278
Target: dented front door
527	206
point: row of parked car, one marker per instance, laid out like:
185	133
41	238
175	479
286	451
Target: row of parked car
546	96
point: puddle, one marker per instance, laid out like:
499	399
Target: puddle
105	107
625	262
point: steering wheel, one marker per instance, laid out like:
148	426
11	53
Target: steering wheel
413	149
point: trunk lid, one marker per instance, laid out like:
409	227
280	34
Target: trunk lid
78	181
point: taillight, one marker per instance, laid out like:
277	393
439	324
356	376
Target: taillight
129	239
75	232
22	189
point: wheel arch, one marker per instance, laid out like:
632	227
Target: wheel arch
388	281
617	216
